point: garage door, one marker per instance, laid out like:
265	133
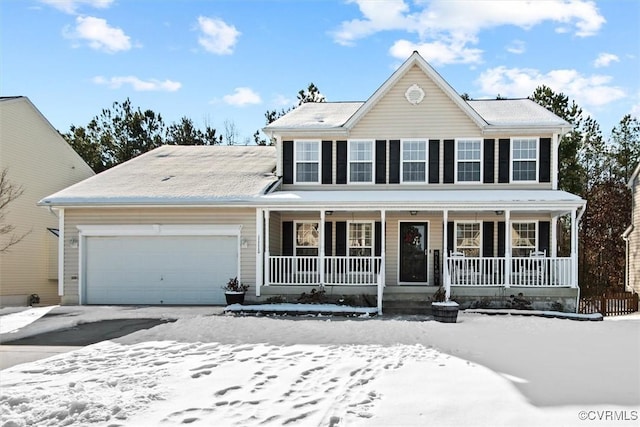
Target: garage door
159	269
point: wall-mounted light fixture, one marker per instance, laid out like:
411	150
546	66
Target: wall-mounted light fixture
73	242
499	212
329	212
414	213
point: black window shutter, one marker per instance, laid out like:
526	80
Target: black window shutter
381	161
487	239
377	241
434	161
327	158
341	167
544	227
287	238
545	160
394	161
450	237
341	238
489	155
501	235
287	162
449	156
504	149
328	241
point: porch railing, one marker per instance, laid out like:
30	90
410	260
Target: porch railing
525	271
338	270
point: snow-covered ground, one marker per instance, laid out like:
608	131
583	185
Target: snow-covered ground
222	370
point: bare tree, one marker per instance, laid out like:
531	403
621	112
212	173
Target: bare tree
8	193
231	132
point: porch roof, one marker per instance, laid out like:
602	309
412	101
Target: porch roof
489	200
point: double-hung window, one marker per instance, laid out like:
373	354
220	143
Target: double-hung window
360	161
468	154
307	239
523	238
360	239
525	159
414	160
307	160
468	239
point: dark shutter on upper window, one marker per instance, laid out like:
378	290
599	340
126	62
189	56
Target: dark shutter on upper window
544	227
504	149
328	238
545	159
449	156
487	239
287	162
450	237
341	167
327	160
434	161
394	161
341	238
377	241
501	238
381	161
287	238
489	155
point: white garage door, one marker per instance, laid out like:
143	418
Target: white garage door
159	269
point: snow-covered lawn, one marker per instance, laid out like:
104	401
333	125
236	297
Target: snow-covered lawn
331	371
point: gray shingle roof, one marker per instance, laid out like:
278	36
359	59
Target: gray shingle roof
317	115
515	112
178	175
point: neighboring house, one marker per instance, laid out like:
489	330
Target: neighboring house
40	161
390	198
632	235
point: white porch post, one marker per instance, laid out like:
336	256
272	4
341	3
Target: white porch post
445	257
259	250
507	248
554	237
321	247
383	261
574	249
267	253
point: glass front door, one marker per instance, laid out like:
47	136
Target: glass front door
414	252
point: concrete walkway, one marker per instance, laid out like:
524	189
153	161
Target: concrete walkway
11	355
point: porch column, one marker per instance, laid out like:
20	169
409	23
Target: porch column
507	248
574	249
445	258
554	237
321	247
267	254
383	260
259	250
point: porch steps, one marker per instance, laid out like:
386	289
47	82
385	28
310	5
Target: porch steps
407	303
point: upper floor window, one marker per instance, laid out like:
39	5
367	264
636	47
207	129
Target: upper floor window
307	239
360	239
307	160
525	159
414	160
468	154
468	239
360	161
523	238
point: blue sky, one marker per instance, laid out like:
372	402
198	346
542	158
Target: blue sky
228	62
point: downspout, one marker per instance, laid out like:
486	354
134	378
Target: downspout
625	237
578	219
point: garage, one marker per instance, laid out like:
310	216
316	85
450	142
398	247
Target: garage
158	269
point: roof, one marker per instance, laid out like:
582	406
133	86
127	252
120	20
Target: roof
178	175
634	175
515	112
317	115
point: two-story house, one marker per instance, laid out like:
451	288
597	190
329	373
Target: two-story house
390	198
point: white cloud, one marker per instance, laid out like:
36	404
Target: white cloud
437	53
217	36
242	96
516	47
605	59
283	101
587	91
452	25
71	6
137	84
97	33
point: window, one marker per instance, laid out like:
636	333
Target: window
361	161
525	155
307	159
414	160
468	153
523	238
468	238
360	239
306	239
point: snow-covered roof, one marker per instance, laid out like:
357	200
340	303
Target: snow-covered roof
178	175
317	115
436	199
515	112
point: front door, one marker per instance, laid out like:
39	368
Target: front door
413	252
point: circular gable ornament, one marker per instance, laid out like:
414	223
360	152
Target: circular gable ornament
414	94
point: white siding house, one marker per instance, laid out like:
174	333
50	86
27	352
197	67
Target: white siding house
632	235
